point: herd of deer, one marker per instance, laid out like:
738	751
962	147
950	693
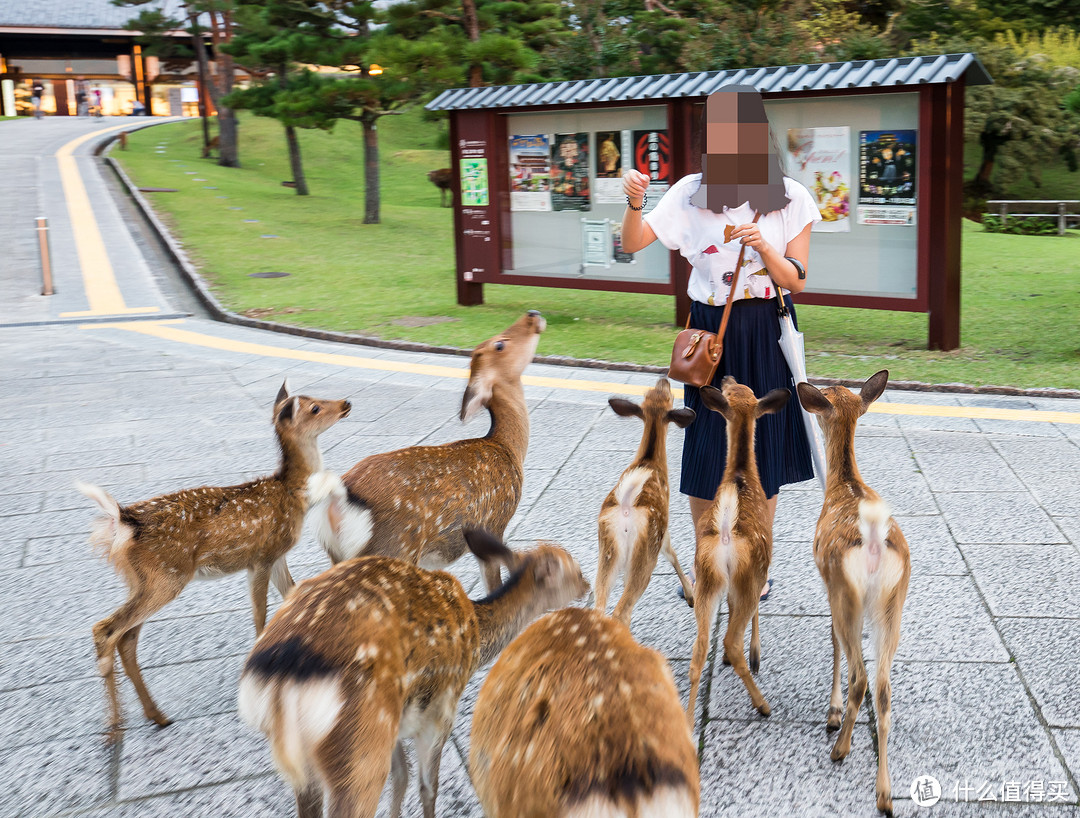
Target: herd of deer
575	718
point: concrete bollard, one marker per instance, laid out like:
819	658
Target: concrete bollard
46	262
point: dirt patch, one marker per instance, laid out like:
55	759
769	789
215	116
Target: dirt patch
267	312
422	320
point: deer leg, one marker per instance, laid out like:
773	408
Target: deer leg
709	586
669	552
888	637
127	646
356	776
836	708
755	642
605	569
642	565
399	776
742	607
492	576
280	576
143	602
429	747
849	632
309	802
259	581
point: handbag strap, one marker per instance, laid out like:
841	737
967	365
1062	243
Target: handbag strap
731	289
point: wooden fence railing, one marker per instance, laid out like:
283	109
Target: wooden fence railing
1063	215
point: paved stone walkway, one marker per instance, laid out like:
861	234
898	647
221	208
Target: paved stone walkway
985	691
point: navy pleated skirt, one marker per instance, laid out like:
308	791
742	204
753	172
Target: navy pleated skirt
752	356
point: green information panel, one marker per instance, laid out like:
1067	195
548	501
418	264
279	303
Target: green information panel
474	183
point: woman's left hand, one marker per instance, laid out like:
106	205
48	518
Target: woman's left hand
750	235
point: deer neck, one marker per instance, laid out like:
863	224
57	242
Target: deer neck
741	466
503	614
840	451
653	446
299	460
509	418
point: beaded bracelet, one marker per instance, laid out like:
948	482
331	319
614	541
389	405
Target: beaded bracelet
644	199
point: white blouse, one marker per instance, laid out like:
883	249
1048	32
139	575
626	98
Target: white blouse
698	235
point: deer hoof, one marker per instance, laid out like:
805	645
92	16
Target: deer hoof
839	753
755	662
764	709
160	719
832	724
884	803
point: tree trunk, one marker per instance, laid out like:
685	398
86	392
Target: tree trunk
472	30
228	149
295	161
371	169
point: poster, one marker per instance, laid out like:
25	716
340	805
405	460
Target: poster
652	156
570	172
884	214
595	243
820	158
474	182
609	168
887	167
530	166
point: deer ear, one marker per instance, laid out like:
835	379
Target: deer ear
625	408
290	411
682	417
283	393
486	547
477	395
714	399
773	402
874	386
813	400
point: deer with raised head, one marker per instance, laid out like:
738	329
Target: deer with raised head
159	545
734	540
865	562
633	525
577	720
413	503
375	651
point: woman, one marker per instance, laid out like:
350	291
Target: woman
741	176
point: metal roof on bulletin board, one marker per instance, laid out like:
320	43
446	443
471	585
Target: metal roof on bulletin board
944	68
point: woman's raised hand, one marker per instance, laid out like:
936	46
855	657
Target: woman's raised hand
634	184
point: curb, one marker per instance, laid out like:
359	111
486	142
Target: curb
220	313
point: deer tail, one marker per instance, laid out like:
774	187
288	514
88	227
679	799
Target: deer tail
107	533
874	527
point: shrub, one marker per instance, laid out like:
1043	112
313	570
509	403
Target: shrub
1017	226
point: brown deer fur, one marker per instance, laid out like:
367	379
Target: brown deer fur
158	546
577	719
443	179
734	540
633	525
375	651
865	562
413	503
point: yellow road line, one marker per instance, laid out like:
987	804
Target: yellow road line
99	281
169	331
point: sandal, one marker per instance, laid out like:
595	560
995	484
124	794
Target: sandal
768	590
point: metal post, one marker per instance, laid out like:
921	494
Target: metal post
1004	215
1061	218
46	263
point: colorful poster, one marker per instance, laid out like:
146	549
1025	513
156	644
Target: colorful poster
530	177
820	158
570	172
887	167
652	156
474	182
595	243
609	168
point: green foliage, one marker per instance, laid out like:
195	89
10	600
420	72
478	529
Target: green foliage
1027	226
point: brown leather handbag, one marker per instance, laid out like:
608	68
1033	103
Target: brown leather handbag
697	352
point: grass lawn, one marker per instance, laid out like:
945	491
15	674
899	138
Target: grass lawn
1021	296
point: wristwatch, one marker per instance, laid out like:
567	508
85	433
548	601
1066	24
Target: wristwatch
798	267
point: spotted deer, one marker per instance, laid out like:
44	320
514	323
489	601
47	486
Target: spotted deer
159	545
734	540
633	525
375	651
577	720
864	560
413	503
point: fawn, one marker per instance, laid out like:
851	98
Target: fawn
159	545
577	719
413	503
375	651
734	540
865	562
634	517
